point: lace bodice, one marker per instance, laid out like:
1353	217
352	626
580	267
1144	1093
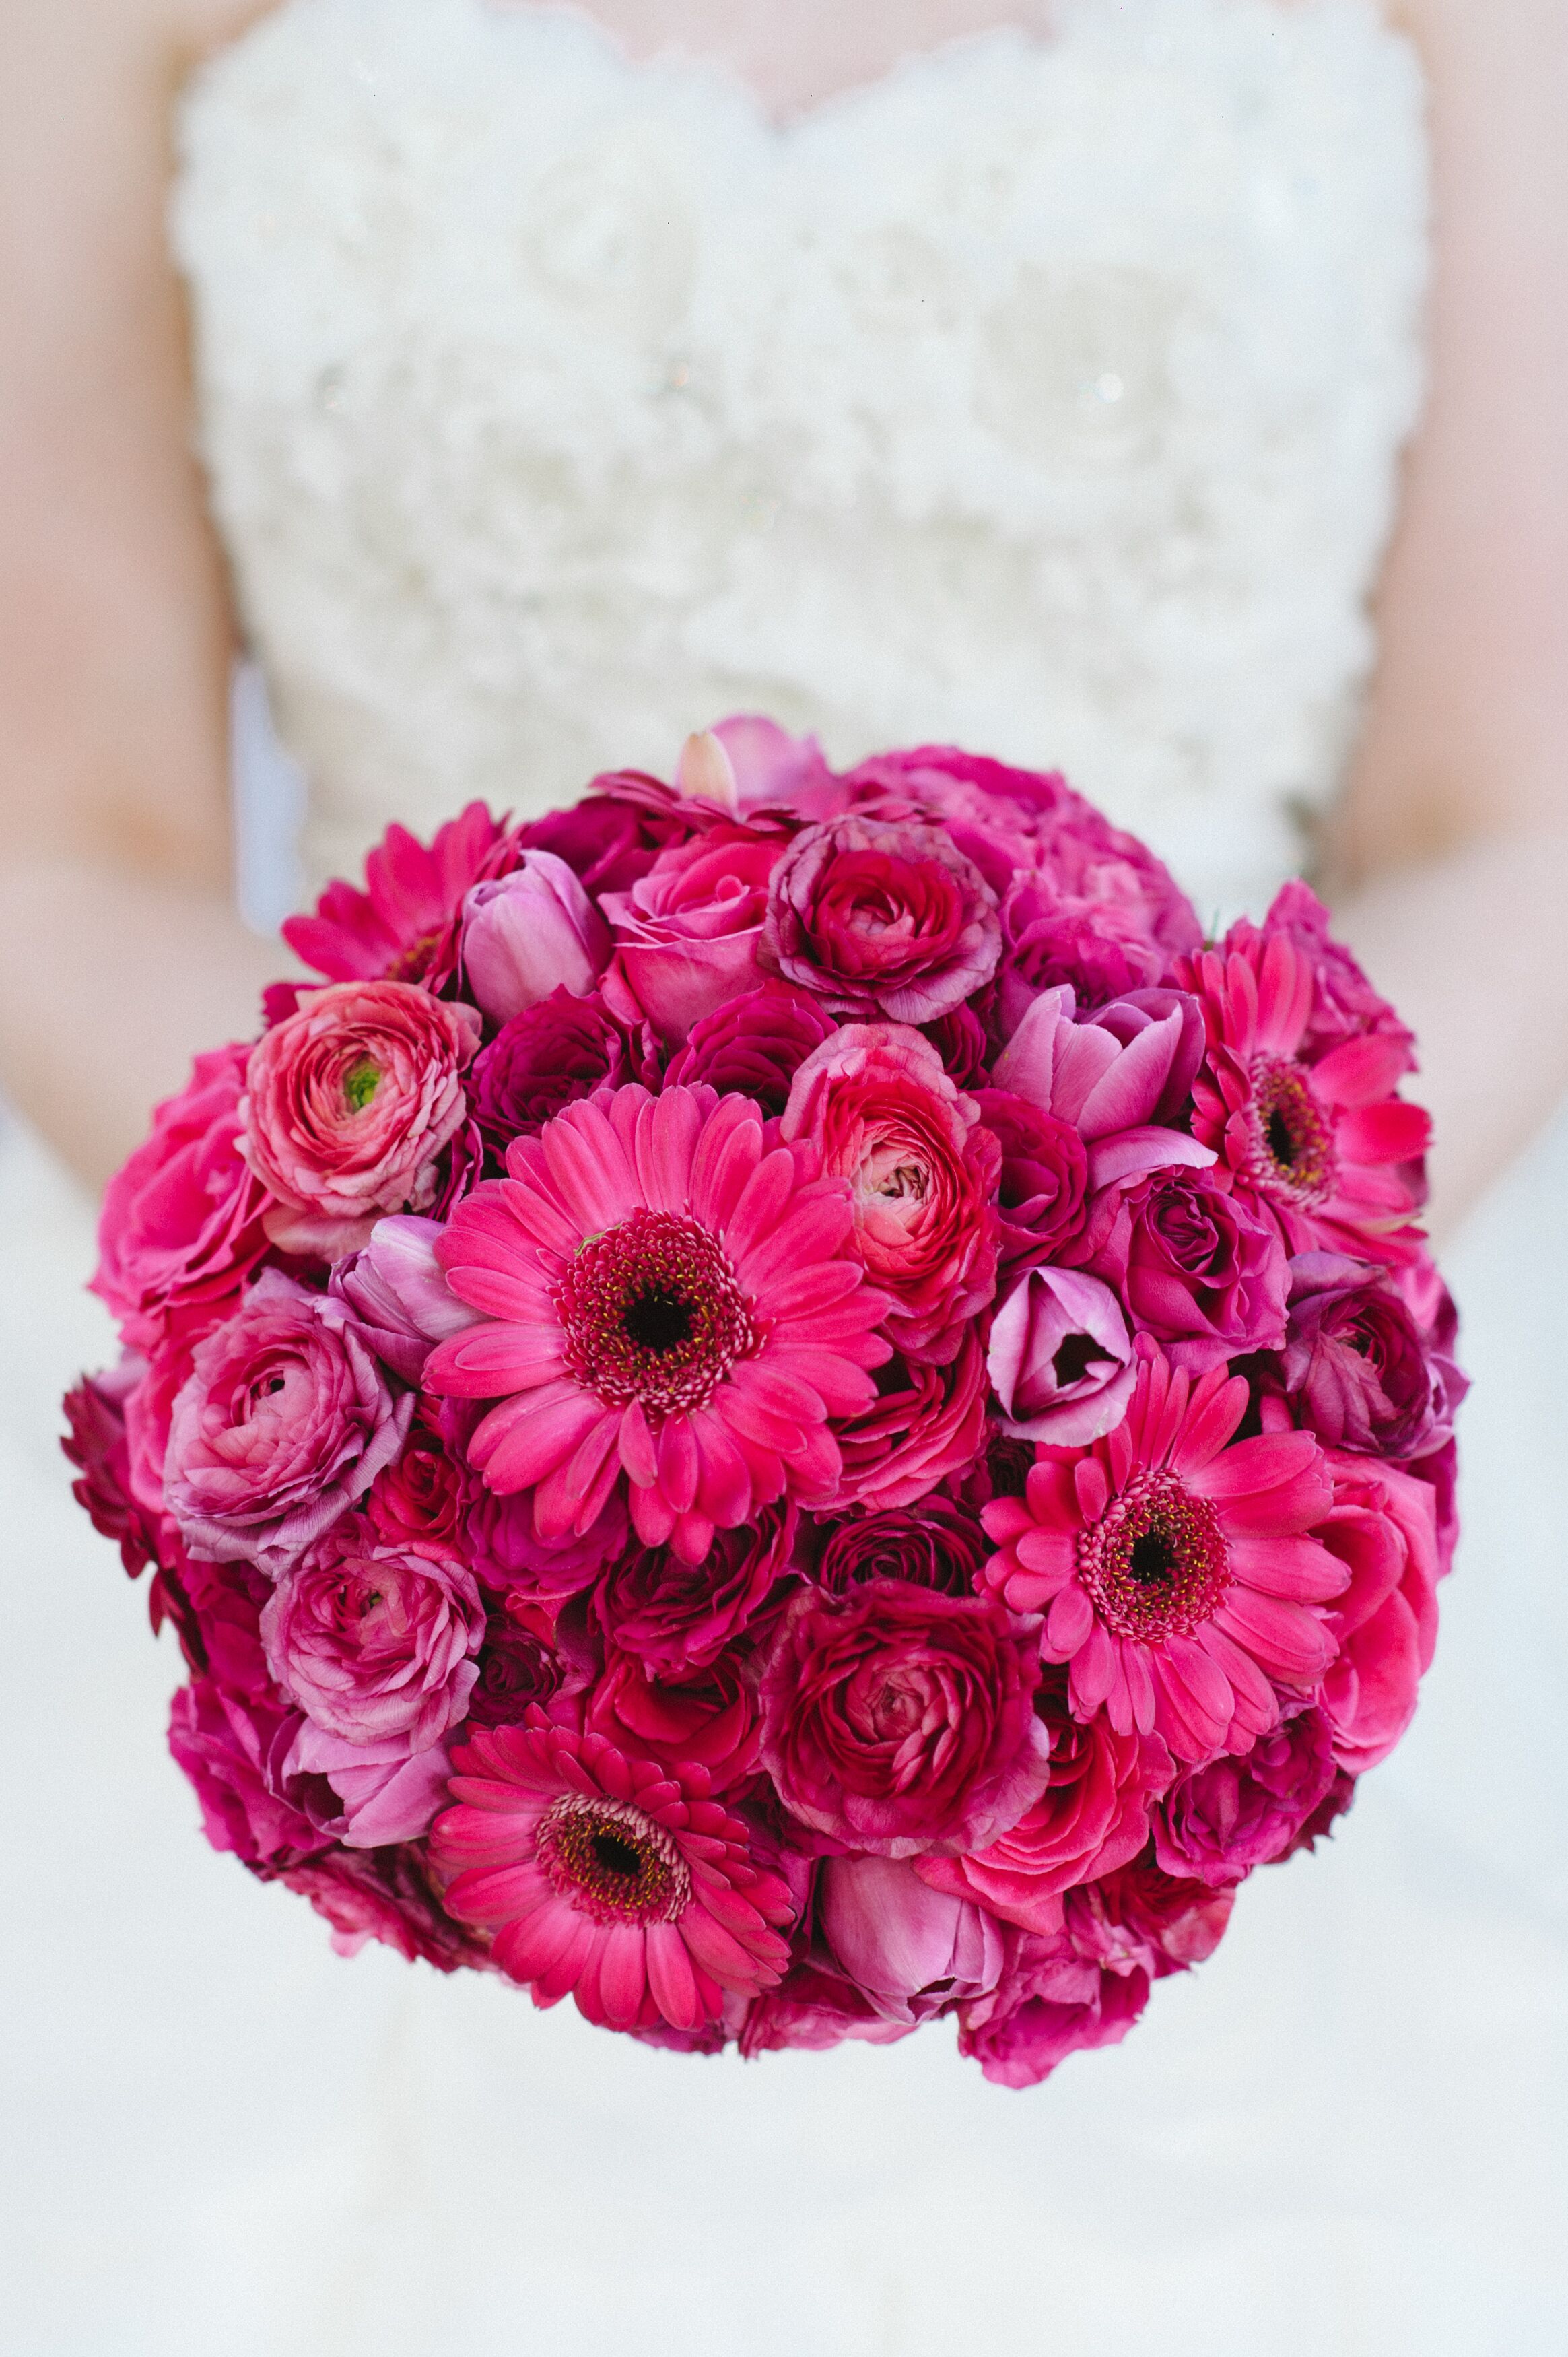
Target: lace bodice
1045	395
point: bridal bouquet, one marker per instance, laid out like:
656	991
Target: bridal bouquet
785	1407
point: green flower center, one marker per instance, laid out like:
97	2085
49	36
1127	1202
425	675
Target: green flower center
360	1081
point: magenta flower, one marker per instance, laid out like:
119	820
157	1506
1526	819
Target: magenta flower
925	1424
940	1545
361	1793
1200	1265
667	1304
1382	1529
607	1879
286	1419
347	1107
922	1168
386	1895
1175	1571
677	1617
881	920
754	1046
223	1742
1355	1365
391	931
1118	1077
1216	1824
543	1059
1326	1143
394	1288
897	1719
1043	1188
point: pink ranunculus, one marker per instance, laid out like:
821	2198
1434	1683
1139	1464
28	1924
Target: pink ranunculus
687	933
1043	1188
347	1106
754	1045
386	1895
1321	1136
1200	1267
362	1795
1356	1365
1216	1824
286	1418
223	1742
1092	1817
421	1499
608	1879
181	1226
937	1544
926	1424
1175	1565
1060	1358
1049	2002
1382	1528
550	1055
915	1951
374	1641
707	1717
678	1617
395	1289
399	928
530	933
897	1719
676	1312
922	1168
881	920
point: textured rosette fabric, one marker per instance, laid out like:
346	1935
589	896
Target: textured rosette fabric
784	1406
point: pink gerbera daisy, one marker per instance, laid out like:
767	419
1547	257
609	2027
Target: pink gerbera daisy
1326	1141
1174	1569
606	1879
394	929
666	1301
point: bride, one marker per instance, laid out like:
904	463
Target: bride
1064	377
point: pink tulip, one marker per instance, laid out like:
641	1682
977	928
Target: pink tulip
528	934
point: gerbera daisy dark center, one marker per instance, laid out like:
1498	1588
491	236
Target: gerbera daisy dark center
612	1862
1292	1144
1155	1565
652	1311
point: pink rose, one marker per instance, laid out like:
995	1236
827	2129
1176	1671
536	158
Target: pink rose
1092	1817
882	920
708	1716
1043	1188
421	1499
928	1423
915	1952
897	1719
1198	1265
97	1445
688	932
922	1168
529	934
1061	1358
1383	1529
677	1617
181	1226
348	1104
375	1641
1216	1824
286	1418
363	1794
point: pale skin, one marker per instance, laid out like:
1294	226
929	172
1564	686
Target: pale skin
120	951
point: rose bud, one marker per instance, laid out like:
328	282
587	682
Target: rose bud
528	934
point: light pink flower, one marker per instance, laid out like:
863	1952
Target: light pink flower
1060	1358
347	1105
373	1642
922	1167
363	1794
1175	1571
395	1288
669	1305
687	934
530	933
286	1418
915	1951
608	1879
1120	1077
897	1719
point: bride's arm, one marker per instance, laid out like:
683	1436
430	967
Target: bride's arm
120	950
1451	858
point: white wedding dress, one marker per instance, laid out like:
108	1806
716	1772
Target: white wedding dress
1048	396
